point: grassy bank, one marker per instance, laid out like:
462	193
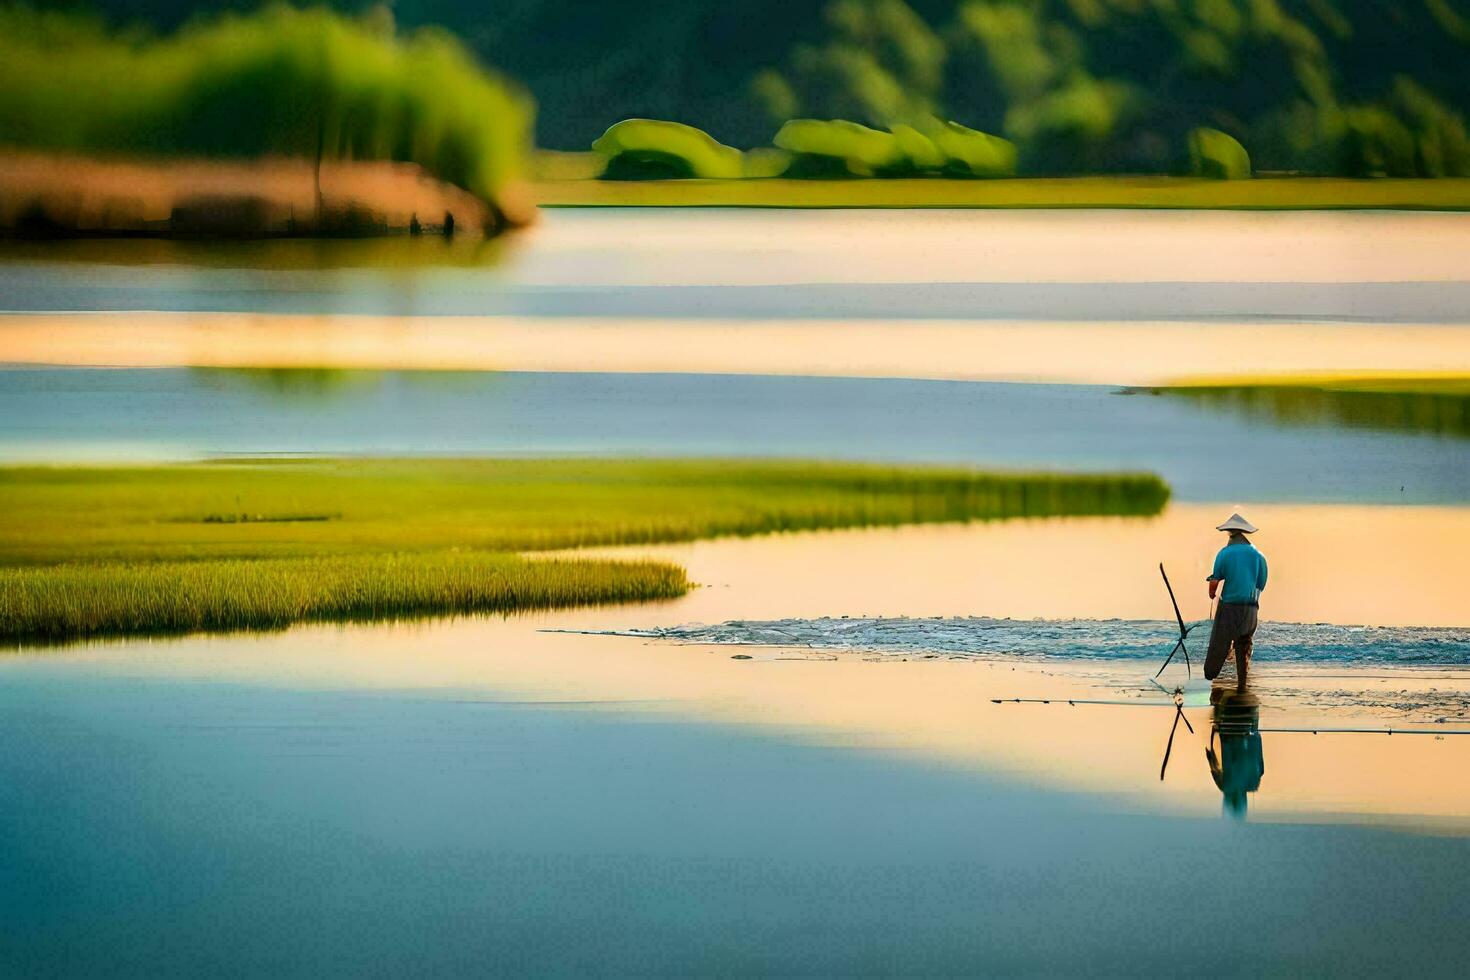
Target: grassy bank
116	551
1267	193
63	602
1428	403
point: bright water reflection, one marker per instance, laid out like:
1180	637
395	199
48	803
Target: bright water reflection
688	263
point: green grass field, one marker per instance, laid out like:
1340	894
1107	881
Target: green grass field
1457	385
1261	193
116	551
61	602
1438	404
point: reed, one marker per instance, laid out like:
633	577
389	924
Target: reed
141	550
253	509
69	602
1431	405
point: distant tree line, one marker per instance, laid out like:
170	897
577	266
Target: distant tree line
1124	85
1360	87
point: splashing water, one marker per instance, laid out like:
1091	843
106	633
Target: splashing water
980	637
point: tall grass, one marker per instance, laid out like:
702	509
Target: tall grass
1438	406
278	82
234	510
113	551
66	602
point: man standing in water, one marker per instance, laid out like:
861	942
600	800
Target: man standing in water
1243	570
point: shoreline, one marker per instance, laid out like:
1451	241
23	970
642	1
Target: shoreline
46	196
1023	193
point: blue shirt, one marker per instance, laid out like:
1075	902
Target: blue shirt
1244	570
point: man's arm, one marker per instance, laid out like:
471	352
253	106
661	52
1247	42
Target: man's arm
1217	574
1261	575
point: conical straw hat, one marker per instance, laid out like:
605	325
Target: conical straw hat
1238	523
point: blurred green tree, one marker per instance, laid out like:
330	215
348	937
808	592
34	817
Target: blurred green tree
287	82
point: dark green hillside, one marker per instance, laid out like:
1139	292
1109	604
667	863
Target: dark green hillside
1325	86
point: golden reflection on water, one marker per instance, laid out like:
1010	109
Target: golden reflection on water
1092	567
928	710
941	710
1124	353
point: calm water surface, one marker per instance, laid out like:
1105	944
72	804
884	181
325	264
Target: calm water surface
402	800
176	827
1052	265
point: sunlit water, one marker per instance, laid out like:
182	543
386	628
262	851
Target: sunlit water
478	796
1086	265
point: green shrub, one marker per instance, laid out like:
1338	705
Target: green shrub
1217	155
765	161
920	155
837	147
971	153
279	82
656	149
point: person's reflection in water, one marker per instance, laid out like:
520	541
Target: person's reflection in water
1238	768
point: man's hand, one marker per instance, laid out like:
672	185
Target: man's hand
1214	584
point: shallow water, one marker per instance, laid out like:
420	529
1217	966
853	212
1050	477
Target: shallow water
41	287
981	637
476	795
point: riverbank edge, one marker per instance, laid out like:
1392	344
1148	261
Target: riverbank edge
47	196
1042	193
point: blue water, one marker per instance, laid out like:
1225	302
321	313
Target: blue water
486	290
1204	453
171	828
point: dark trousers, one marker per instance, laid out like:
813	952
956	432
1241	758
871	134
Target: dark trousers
1235	625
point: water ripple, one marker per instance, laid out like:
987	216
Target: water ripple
1081	639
